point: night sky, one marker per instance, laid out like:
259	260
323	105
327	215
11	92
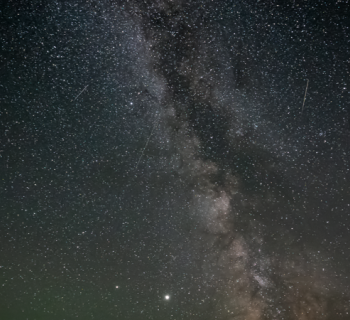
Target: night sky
175	160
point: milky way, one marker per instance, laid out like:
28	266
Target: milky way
175	160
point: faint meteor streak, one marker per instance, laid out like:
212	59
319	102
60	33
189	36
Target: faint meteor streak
155	123
80	93
307	85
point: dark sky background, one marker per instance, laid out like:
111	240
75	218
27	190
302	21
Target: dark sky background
158	160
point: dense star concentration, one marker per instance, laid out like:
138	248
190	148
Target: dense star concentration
172	159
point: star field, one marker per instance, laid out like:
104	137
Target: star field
174	160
